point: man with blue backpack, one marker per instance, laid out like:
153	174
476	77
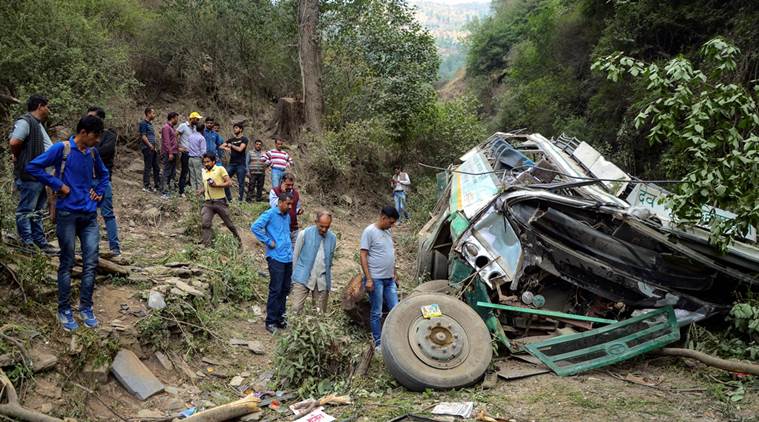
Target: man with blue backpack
77	165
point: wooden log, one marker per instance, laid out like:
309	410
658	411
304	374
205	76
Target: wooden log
108	267
228	411
13	409
727	365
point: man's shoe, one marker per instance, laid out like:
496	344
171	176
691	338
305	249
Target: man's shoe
272	328
146	189
88	317
165	196
66	318
50	250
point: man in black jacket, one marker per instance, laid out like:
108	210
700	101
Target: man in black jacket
107	150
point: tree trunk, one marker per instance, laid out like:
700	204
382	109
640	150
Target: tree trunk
309	55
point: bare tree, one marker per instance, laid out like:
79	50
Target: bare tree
309	55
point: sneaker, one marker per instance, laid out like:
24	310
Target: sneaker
282	325
146	189
165	196
50	250
272	328
66	318
88	317
119	259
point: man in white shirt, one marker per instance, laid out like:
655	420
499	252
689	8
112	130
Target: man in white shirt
184	130
400	184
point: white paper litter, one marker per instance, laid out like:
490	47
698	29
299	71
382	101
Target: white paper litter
463	409
317	415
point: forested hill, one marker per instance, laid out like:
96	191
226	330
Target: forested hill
449	23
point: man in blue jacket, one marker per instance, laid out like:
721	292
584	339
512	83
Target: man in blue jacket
312	264
272	229
77	164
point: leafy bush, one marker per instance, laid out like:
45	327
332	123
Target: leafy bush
71	51
315	352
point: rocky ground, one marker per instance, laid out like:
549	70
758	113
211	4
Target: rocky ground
160	241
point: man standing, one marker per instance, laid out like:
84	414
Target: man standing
169	152
312	264
236	147
256	172
27	141
213	139
279	160
76	161
400	184
215	180
107	151
272	229
183	131
378	265
196	147
288	186
149	152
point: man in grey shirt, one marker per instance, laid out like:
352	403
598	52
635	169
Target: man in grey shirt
28	140
378	265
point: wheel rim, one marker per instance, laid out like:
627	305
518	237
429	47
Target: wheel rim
439	342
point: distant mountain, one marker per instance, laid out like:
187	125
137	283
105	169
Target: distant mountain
448	24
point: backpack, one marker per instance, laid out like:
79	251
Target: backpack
52	198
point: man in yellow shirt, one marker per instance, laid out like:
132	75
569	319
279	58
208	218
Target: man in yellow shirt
215	179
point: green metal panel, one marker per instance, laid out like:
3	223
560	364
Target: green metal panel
459	224
479	295
575	353
546	313
458	271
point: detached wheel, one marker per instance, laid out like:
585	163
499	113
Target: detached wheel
434	286
451	351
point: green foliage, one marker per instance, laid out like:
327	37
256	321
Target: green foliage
71	51
190	322
444	130
378	61
711	123
529	63
315	354
225	51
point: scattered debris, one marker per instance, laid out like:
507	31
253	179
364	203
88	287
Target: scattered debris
463	409
316	415
236	381
228	411
256	347
575	353
134	375
42	360
164	361
156	300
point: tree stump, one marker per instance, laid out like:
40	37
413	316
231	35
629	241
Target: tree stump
288	118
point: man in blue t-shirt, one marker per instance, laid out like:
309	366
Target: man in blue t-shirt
150	152
213	140
77	165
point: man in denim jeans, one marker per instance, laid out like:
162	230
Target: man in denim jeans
77	164
27	141
272	229
107	149
378	264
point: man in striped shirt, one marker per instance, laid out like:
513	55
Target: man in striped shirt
279	160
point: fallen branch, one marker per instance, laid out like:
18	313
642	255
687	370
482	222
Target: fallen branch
13	275
13	409
728	365
26	357
228	411
92	393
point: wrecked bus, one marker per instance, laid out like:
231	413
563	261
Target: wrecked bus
534	237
